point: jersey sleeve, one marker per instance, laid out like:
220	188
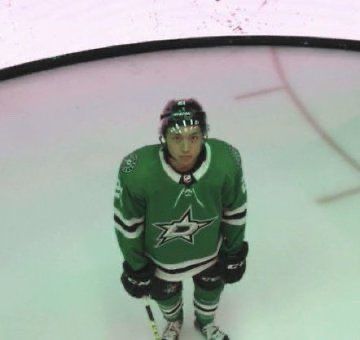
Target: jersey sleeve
234	198
129	215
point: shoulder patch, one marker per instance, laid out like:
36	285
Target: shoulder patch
129	163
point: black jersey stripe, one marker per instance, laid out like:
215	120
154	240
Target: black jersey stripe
235	216
129	229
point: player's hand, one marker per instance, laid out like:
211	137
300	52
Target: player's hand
137	283
235	264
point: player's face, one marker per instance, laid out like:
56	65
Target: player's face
184	145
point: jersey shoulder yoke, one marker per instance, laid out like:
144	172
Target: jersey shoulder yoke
227	151
139	159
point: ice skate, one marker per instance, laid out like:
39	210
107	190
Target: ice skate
172	330
211	332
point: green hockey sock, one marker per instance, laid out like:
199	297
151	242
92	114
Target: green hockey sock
206	303
172	308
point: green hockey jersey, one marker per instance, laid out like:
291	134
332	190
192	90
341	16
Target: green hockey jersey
180	227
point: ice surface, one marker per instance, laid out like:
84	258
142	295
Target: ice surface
63	133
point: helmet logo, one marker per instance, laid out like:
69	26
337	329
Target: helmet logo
183	113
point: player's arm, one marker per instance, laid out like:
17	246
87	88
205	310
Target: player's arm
234	249
234	197
129	217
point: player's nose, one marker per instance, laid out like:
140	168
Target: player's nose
185	146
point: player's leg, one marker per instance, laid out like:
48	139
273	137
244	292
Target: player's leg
168	296
209	285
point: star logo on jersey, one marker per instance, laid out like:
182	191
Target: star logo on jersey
185	228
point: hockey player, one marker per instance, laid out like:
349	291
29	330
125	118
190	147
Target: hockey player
180	209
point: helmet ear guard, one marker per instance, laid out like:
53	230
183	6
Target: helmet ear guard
162	140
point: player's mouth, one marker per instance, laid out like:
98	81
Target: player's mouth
186	158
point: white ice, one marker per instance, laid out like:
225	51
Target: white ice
294	115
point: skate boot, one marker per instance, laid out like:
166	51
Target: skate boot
210	331
172	330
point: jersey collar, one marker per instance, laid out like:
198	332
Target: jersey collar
199	173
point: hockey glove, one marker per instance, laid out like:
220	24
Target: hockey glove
137	283
235	264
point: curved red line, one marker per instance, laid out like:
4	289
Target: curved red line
308	117
258	93
339	195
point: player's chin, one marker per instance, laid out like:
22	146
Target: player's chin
186	159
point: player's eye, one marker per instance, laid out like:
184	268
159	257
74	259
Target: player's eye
194	138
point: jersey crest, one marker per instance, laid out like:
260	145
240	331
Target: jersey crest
184	228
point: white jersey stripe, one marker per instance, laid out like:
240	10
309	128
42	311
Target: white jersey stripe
129	222
189	273
130	235
180	276
186	263
235	211
239	221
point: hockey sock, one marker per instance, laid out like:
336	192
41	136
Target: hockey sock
172	308
206	303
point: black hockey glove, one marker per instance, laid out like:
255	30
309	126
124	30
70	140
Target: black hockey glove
137	283
235	264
